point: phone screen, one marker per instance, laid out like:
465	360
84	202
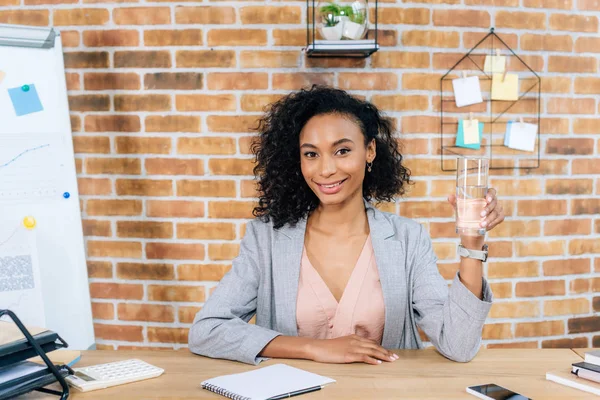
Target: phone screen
498	392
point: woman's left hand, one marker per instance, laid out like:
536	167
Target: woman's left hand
492	215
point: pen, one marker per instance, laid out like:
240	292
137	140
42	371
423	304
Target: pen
295	393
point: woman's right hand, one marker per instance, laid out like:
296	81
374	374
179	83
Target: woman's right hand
349	349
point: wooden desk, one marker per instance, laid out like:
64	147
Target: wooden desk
418	374
581	352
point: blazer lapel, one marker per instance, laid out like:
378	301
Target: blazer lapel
287	256
389	255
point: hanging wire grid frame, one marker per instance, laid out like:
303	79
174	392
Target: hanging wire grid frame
494	125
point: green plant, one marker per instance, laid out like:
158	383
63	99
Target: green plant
331	13
358	17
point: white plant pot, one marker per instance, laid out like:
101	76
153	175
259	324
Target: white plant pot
352	30
332	32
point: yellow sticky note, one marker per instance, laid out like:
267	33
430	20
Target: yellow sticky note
507	89
2	75
471	131
494	64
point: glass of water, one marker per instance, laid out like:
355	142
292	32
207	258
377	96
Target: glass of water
471	189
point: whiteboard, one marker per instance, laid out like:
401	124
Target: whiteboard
43	273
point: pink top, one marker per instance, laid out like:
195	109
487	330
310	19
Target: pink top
361	307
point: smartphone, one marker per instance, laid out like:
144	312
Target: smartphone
491	391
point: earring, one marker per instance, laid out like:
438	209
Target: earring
369	165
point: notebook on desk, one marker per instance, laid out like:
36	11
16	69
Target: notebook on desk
565	377
274	381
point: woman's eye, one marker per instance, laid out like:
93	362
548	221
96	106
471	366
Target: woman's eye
310	154
343	151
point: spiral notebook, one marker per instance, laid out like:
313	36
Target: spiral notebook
275	381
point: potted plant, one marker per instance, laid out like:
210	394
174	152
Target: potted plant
355	21
331	22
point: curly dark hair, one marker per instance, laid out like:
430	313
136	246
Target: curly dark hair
284	195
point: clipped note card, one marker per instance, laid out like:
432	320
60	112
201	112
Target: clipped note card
469	134
494	64
25	100
2	75
467	91
505	87
520	136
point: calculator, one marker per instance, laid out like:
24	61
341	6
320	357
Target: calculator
112	374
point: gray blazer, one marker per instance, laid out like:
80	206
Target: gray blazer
264	281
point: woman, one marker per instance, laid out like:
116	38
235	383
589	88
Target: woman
329	277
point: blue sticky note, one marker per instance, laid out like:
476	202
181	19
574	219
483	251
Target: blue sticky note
460	137
507	134
25	100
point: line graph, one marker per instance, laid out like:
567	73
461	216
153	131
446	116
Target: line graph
30	167
6	164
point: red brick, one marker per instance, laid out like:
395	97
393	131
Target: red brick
146	102
173	80
176	293
174	208
175	251
270	15
289	37
575	146
203	15
431	39
232	124
535	42
560	4
206	230
81	16
569	186
205	102
367	81
571	266
187	314
584	324
168	335
174	166
142	59
142	16
398	59
512	269
298	80
237	80
92	227
206	145
541	207
566	343
167	37
465	18
206	188
111	81
125	333
585	206
567	227
103	311
93	186
142	145
401	103
116	291
91	144
112	123
146	271
541	248
586	166
172	123
497	331
113	207
202	272
146	312
25	17
130	166
574	23
540	288
587	44
144	229
237	37
205	58
520	20
111	38
99	269
86	59
144	187
515	309
586	85
566	307
230	209
570	64
544	328
120	249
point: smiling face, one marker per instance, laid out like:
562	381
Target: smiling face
333	157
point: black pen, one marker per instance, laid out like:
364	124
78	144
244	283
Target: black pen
296	393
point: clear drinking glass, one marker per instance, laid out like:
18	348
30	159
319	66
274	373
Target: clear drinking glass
471	188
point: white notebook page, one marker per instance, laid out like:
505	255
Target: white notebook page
269	381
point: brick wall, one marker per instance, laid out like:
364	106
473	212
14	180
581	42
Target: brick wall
161	98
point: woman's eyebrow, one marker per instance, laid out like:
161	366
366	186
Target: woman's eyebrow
337	142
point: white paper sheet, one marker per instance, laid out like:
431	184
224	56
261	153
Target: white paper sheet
467	91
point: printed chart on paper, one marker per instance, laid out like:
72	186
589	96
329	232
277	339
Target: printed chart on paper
20	282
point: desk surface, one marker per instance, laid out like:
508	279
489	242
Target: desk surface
422	374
